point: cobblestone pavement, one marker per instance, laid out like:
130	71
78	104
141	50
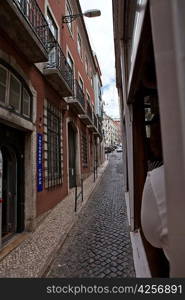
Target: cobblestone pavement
99	244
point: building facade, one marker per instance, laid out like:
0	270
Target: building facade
119	134
49	128
111	131
150	49
99	111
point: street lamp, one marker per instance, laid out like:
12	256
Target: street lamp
88	13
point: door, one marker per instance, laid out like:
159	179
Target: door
11	182
9	191
72	156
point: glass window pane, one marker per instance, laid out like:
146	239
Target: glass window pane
79	45
3	82
15	93
53	57
81	84
70	61
3	76
2	93
26	103
86	65
69	12
52	25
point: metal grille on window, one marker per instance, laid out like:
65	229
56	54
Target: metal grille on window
84	151
53	146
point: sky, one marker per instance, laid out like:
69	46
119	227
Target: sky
100	30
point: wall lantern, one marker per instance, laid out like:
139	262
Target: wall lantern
92	13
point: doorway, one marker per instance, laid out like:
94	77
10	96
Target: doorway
72	155
9	191
12	182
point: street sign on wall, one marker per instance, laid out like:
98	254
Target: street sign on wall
39	162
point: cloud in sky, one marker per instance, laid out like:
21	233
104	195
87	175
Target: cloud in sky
100	31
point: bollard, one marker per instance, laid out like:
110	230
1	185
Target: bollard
75	198
82	189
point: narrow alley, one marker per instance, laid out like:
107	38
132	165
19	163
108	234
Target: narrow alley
99	243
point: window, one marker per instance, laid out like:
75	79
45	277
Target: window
79	45
86	65
84	150
88	98
26	7
92	79
3	84
81	84
69	12
99	90
26	103
70	62
52	25
52	59
54	166
14	92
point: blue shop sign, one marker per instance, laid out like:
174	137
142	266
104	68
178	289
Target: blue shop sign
39	162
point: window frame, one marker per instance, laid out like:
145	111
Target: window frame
79	45
6	85
69	12
92	80
69	57
84	150
21	94
54	168
23	88
88	97
86	64
11	71
81	80
49	17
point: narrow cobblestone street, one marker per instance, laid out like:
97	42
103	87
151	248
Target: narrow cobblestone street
99	244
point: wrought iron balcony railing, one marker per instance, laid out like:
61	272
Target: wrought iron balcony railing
35	18
89	111
100	128
57	60
95	120
79	94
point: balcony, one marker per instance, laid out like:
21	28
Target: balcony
95	121
89	112
94	124
77	102
98	131
58	72
87	118
23	22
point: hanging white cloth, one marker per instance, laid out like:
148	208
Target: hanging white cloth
154	210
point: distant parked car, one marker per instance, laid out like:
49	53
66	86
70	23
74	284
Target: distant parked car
108	150
119	149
